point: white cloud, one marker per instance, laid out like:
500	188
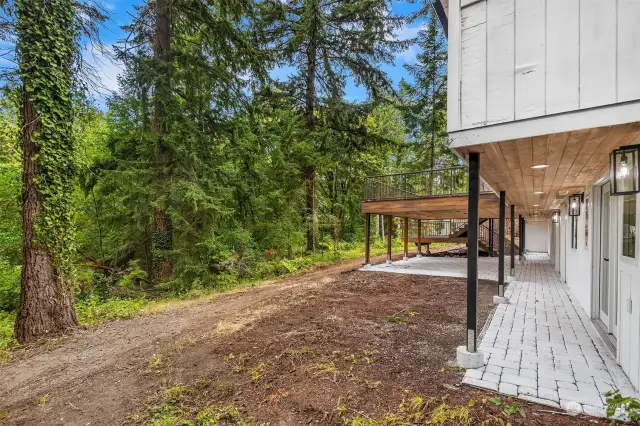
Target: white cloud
106	68
408	56
408	31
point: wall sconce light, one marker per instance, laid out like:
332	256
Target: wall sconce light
575	202
555	217
625	172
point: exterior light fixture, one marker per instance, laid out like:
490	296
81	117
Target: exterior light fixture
625	173
575	202
538	192
555	217
540	166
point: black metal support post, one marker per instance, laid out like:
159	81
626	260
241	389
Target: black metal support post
367	238
524	239
491	231
521	228
513	240
501	236
472	251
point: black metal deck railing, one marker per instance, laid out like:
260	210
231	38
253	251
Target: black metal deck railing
424	183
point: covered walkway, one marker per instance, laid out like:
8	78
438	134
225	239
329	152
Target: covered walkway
540	347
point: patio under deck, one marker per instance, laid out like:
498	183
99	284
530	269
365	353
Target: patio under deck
540	347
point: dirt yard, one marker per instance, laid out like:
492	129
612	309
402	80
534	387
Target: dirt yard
331	347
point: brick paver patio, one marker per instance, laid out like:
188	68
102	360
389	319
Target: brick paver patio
541	347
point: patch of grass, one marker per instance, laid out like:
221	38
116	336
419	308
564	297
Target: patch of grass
155	361
417	410
257	372
7	340
396	319
94	311
190	405
324	368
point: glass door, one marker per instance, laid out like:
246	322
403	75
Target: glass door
605	260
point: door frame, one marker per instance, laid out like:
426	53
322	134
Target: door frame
596	257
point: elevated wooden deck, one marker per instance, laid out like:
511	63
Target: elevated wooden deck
430	207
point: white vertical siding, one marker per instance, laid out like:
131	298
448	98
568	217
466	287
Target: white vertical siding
530	58
473	65
501	59
598	20
563	56
517	59
628	50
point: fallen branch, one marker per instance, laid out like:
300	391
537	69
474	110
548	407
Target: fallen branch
95	264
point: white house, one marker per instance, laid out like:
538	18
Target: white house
544	91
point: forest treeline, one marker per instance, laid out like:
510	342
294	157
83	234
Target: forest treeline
202	169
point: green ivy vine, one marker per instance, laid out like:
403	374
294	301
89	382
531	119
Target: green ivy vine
46	51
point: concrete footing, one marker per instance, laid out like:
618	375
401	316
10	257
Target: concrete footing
419	255
405	258
497	300
513	272
367	266
389	262
468	359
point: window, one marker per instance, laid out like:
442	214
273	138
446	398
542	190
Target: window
574	232
629	226
586	223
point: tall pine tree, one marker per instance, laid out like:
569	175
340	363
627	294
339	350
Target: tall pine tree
329	42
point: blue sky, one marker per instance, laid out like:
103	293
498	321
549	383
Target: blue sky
122	11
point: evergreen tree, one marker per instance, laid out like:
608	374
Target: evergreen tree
424	102
329	42
46	50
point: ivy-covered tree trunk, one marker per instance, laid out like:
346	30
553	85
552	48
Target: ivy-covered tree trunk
163	234
46	43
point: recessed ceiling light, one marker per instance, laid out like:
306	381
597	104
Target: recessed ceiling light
540	166
536	205
539	192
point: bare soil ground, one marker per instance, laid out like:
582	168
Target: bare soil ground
319	348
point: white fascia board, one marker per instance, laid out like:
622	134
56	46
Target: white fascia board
610	115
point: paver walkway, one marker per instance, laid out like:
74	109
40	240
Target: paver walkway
543	348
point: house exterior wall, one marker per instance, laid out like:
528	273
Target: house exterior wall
537	237
512	60
579	268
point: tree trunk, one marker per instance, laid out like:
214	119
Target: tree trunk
46	300
163	232
310	171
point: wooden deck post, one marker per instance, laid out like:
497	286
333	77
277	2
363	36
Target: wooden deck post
419	238
513	240
389	233
405	235
367	239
